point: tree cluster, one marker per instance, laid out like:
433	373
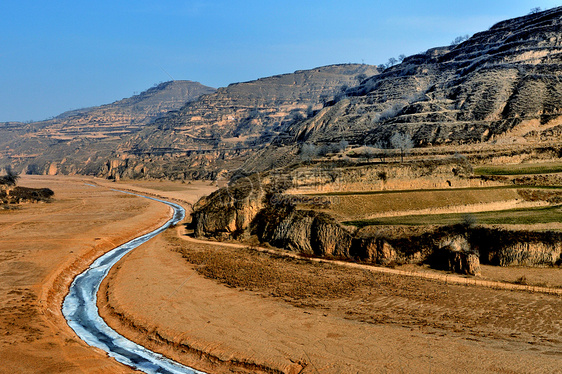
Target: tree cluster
402	142
459	39
391	62
10	179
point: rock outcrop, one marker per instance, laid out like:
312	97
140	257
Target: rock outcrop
243	210
456	252
309	232
503	247
228	212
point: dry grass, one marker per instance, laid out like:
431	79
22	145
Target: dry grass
364	205
529	216
289	278
519	169
357	294
542	277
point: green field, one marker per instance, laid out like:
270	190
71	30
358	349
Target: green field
348	206
390	192
519	169
507	217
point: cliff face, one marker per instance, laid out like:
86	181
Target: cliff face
81	141
303	231
256	205
229	212
457	248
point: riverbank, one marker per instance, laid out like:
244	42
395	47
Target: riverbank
42	247
219	308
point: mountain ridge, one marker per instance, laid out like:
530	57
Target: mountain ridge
44	147
501	85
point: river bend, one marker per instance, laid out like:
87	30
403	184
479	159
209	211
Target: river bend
81	311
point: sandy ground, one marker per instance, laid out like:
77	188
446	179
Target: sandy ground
225	309
42	247
401	325
218	312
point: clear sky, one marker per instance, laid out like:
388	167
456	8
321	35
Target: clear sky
61	55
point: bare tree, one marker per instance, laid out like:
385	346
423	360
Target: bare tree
391	62
401	57
308	151
402	142
11	177
343	144
389	112
383	151
459	39
368	152
535	10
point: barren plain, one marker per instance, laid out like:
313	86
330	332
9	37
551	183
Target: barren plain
42	247
224	308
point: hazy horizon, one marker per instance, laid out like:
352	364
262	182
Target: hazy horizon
71	56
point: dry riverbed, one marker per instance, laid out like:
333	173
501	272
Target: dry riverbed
225	309
42	247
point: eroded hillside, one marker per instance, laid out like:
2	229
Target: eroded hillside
219	131
80	141
501	86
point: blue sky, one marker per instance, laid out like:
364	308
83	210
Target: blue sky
61	55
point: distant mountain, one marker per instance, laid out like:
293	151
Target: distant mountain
503	85
77	141
218	131
256	110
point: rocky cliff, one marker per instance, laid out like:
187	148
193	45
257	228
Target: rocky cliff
260	206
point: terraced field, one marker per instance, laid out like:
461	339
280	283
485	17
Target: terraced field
504	204
520	169
525	216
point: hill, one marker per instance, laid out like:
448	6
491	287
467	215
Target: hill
499	89
219	131
78	141
501	86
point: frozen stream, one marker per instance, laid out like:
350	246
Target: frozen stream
81	312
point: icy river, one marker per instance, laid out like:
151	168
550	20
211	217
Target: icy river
81	312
